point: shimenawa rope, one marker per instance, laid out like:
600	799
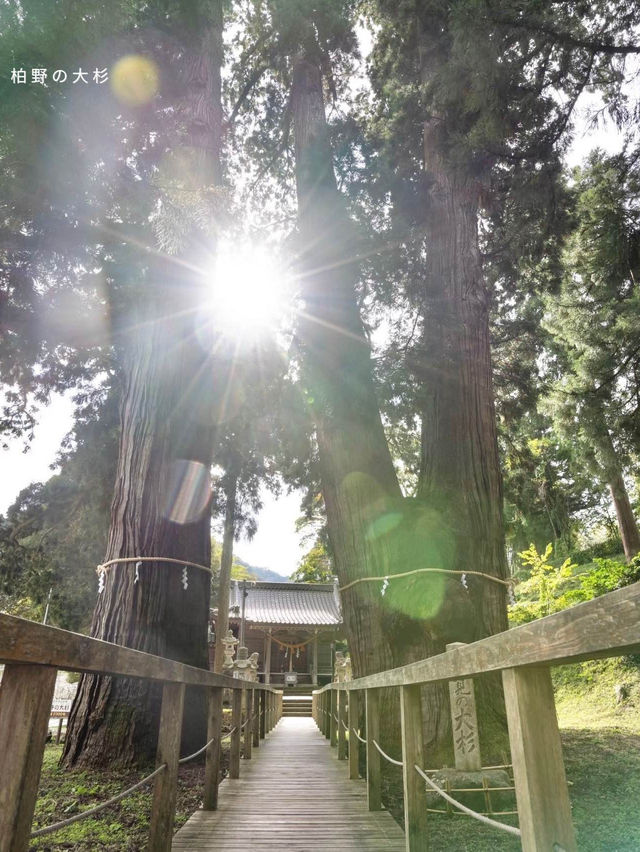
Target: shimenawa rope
509	583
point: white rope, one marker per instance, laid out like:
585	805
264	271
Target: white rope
196	753
386	756
509	582
358	736
510	829
57	825
104	565
343	725
227	736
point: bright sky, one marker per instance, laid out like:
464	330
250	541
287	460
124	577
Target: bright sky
276	545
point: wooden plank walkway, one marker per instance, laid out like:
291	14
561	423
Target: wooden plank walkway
292	795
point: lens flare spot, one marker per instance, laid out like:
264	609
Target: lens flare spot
383	525
134	80
188	492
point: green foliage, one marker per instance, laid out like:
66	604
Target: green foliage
541	586
550	588
315	566
54	534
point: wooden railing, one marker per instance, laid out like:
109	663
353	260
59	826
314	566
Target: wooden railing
608	626
33	653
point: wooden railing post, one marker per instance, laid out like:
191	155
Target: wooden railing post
326	703
25	704
323	715
163	807
374	785
333	712
248	728
342	721
212	765
255	727
263	714
354	742
544	810
236	722
314	707
415	799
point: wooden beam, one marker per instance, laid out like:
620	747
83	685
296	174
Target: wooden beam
23	641
342	717
212	765
236	722
163	807
314	660
267	658
256	721
354	742
327	714
263	715
374	778
26	694
415	799
333	725
247	739
608	626
538	769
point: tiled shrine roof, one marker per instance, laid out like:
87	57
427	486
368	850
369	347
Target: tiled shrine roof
286	603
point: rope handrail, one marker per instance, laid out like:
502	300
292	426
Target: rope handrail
510	829
359	737
246	721
227	736
49	829
196	753
386	756
346	727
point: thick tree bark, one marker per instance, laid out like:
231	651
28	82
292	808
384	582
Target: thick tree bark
460	477
161	496
359	484
610	465
226	561
627	524
373	530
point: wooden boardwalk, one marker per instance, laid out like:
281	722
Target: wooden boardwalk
292	795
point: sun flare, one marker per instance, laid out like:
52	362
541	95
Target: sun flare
249	290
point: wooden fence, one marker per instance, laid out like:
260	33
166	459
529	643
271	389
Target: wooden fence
608	626
33	653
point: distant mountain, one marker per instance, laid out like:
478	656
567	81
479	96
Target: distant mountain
265	574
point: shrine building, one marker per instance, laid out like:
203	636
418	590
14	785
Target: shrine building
293	627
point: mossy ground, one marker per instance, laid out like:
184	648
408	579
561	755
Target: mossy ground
123	827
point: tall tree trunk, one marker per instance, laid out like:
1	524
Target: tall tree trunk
226	561
358	480
610	465
373	530
161	495
460	477
627	523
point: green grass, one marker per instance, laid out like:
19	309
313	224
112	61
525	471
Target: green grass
601	745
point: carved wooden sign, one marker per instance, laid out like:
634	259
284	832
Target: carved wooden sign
464	722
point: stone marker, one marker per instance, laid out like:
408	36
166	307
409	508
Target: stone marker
464	721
